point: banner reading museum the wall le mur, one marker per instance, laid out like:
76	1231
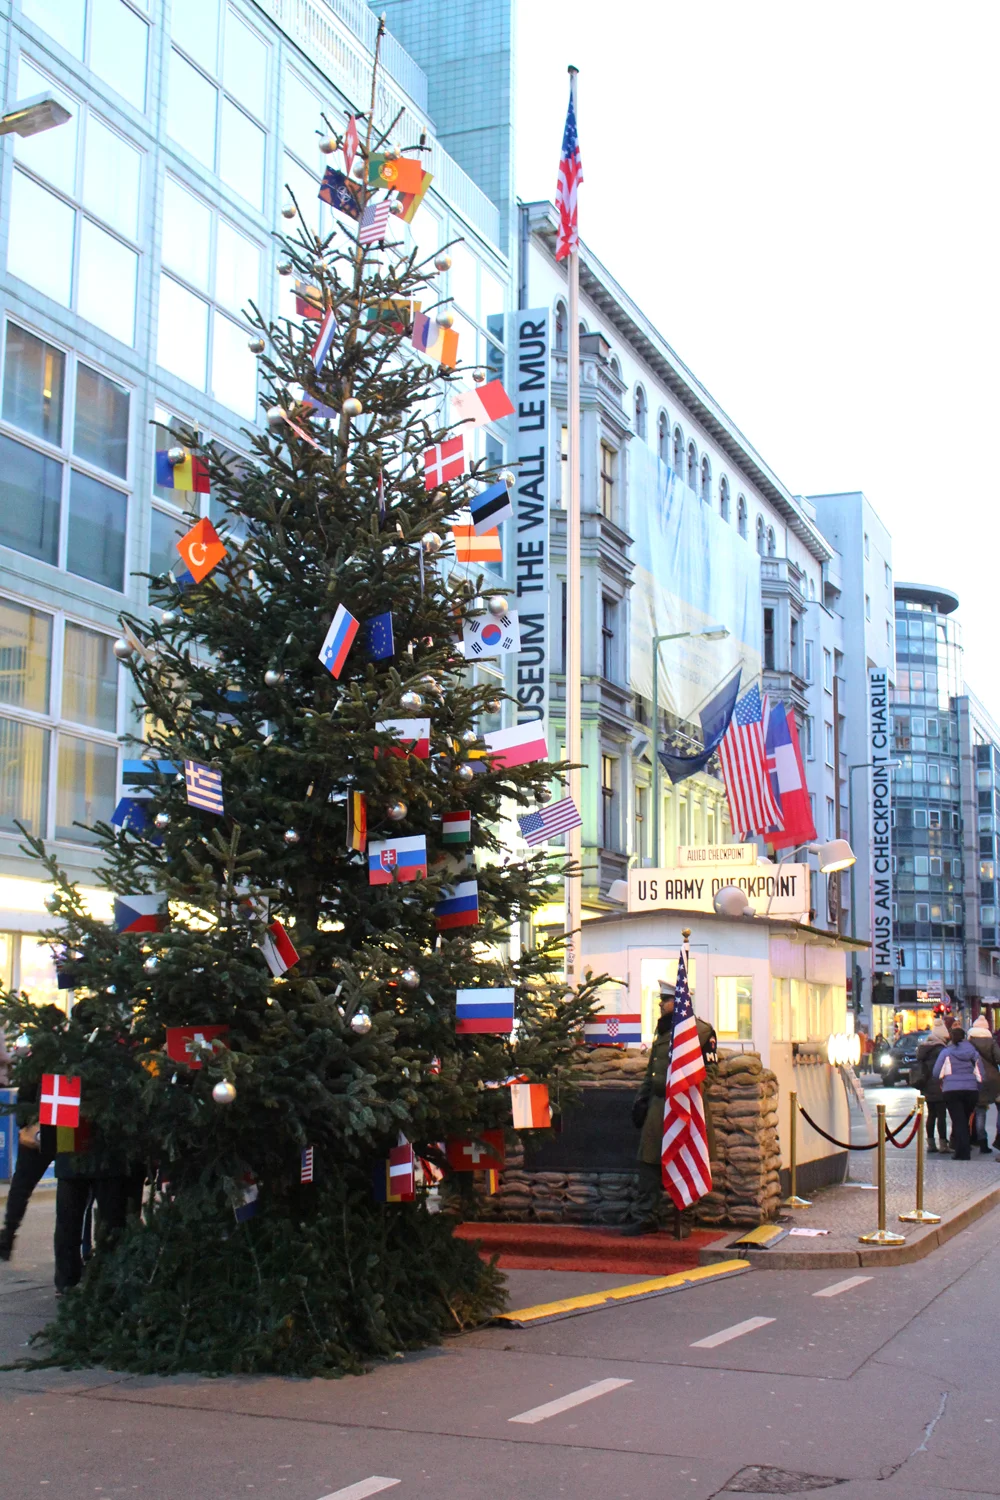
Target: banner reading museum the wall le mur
528	346
879	745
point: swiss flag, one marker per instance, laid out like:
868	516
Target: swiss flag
477	1154
180	1038
60	1101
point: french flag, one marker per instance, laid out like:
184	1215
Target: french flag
518	745
339	640
321	348
458	906
788	780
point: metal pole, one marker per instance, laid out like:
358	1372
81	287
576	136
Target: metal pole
573	610
793	1200
656	753
919	1215
881	1236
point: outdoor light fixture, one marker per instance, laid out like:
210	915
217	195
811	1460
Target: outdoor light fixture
843	1049
618	891
730	901
834	856
40	112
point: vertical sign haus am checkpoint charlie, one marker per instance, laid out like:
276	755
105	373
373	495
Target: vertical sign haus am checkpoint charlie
883	957
529	342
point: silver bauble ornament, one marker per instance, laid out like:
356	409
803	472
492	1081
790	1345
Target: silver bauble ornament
464	773
359	171
22	1045
442	262
430	684
431	543
396	811
288	212
411	699
123	649
168	619
393	152
329	145
409	979
224	1092
256	346
479	376
497	604
275	417
152	964
545	795
162	820
493	706
395	207
291	835
112	989
273	678
352	407
319	267
469	736
446	317
284	268
361	1023
508	478
175	456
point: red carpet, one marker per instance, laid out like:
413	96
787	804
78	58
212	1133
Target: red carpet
558	1247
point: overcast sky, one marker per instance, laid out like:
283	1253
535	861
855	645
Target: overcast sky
803	197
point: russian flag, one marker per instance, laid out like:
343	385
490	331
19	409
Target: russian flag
518	745
483	1010
141	913
613	1031
338	642
402	859
458	906
323	343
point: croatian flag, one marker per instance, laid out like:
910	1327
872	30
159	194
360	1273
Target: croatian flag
414	736
323	344
397	859
613	1031
278	950
484	1011
458	906
141	913
516	746
338	642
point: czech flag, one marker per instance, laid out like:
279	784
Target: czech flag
190	474
141	913
338	642
399	859
458	906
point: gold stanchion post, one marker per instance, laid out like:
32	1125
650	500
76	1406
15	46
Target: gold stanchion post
920	1215
793	1200
881	1235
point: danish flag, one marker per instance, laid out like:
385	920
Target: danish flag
443	462
60	1101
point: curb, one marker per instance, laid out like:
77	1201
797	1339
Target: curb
571	1307
922	1243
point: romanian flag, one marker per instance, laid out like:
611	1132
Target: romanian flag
190	474
357	821
472	547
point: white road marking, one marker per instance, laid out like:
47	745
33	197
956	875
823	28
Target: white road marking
373	1485
735	1332
842	1286
564	1403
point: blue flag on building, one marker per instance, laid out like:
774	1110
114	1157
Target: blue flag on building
715	717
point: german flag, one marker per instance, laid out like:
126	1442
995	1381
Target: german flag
357	821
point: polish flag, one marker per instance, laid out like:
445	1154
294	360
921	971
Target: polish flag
517	746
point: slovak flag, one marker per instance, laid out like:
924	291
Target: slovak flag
788	780
400	859
324	342
60	1100
278	949
613	1030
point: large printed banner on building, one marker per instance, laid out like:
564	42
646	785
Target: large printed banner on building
692	570
528	349
880	747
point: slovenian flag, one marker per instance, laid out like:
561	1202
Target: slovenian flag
397	859
456	828
516	746
323	343
278	949
141	913
414	736
458	906
613	1031
190	474
338	642
490	507
483	1011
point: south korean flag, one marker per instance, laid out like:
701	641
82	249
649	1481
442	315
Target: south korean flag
491	635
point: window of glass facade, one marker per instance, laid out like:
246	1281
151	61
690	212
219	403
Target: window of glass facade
173	511
52	506
733	1008
59	704
74	213
108	34
609	802
219	118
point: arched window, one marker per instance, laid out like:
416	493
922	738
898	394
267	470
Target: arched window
663	437
678	453
706	479
770	541
724	498
616	368
760	535
562	324
692	475
741	516
640	412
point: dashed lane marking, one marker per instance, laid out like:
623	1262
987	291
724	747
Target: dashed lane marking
837	1287
373	1485
565	1403
735	1332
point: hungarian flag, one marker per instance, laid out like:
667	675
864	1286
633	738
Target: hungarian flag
60	1100
456	828
476	1154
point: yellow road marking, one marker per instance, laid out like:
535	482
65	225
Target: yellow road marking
636	1290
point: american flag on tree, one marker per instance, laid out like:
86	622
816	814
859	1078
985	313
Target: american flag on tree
753	807
570	177
687	1175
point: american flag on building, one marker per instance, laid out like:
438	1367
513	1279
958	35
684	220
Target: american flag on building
743	756
374	225
548	822
570	177
687	1175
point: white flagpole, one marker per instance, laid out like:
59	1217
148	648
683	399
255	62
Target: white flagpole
573	612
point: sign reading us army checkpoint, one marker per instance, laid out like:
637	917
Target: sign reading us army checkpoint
772	890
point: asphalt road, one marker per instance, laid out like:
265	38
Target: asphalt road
883	1383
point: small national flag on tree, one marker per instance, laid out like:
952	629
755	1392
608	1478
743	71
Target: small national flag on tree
488	635
350	143
478	1153
402	1173
472	546
60	1100
324	340
548	822
530	1106
485	403
687	1173
374	223
341	194
357	821
484	1011
456	827
141	913
435	340
378	638
397	859
186	1044
306	1164
443	462
614	1030
338	642
204	787
518	745
414	736
458	906
278	949
491	506
190	474
201	549
245	1202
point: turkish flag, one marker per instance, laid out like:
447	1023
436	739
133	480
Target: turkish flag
477	1153
179	1039
60	1101
201	548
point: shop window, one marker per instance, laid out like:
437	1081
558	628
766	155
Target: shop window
733	1008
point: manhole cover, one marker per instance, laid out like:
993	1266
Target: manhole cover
758	1480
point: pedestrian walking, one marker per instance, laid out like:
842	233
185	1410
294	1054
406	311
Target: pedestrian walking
960	1072
937	1111
982	1039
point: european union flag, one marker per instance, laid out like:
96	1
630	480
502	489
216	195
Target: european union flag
379	643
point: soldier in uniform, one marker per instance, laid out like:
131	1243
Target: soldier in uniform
647	1111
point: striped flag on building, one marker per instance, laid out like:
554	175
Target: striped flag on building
743	756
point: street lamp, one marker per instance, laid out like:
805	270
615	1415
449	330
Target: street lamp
40	112
713	633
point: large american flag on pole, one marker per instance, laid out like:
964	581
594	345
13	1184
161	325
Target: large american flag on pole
570	177
753	807
687	1175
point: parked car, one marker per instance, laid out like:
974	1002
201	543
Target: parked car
894	1063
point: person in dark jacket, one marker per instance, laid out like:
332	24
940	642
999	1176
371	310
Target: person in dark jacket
647	1112
36	1143
960	1071
981	1038
937	1110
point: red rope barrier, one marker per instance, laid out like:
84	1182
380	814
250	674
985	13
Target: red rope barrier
890	1135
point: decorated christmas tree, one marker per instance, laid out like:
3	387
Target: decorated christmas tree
316	991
